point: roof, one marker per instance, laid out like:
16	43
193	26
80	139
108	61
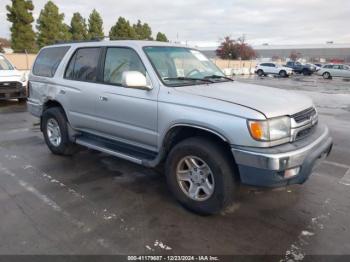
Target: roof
131	43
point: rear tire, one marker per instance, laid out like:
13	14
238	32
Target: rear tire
306	72
326	75
260	73
55	130
181	176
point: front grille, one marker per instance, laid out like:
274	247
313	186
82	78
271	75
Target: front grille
305	132
304	115
10	85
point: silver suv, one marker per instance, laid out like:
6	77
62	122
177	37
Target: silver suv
153	103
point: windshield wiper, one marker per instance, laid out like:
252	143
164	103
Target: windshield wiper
218	77
189	79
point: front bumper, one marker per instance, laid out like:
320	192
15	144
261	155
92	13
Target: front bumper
266	166
13	93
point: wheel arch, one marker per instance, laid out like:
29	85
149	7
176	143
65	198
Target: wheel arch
179	132
50	104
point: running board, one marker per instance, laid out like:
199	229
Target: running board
125	151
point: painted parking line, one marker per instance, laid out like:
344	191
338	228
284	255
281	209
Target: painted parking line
346	179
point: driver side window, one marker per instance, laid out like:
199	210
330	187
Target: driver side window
119	60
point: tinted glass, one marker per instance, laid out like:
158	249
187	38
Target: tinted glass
48	60
119	60
83	65
264	64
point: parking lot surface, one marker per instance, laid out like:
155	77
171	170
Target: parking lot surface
93	203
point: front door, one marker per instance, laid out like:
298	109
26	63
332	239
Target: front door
126	114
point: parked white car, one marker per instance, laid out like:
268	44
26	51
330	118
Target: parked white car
13	83
264	69
330	70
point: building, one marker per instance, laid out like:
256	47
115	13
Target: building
314	53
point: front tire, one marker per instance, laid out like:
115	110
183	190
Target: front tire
200	175
306	72
55	130
260	73
283	73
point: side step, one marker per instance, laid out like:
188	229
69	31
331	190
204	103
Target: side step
134	154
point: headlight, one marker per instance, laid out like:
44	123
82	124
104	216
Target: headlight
23	77
271	129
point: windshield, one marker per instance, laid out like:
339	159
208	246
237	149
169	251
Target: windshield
4	64
178	66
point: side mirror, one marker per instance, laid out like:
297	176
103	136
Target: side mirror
135	79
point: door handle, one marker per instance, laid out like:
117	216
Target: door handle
103	98
62	92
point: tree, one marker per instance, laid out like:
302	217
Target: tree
161	37
3	44
294	56
122	30
245	51
78	27
95	26
51	27
21	16
143	31
235	49
227	49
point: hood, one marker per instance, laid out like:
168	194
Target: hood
10	73
272	102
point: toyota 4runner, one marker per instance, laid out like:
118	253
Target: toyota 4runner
153	103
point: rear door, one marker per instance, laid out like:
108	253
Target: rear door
336	70
79	88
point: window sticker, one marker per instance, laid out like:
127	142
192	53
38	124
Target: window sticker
199	56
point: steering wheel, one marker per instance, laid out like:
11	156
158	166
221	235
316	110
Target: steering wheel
192	72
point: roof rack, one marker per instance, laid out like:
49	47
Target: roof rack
59	42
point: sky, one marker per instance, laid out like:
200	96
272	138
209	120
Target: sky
206	22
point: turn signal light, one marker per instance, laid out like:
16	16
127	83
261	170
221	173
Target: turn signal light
256	130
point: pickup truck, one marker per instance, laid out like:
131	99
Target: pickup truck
158	104
305	69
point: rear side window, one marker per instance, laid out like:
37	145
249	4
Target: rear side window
83	65
48	60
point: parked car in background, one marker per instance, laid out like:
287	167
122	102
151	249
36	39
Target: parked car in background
13	84
305	69
264	69
153	103
314	67
330	70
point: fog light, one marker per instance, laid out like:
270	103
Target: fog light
291	172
